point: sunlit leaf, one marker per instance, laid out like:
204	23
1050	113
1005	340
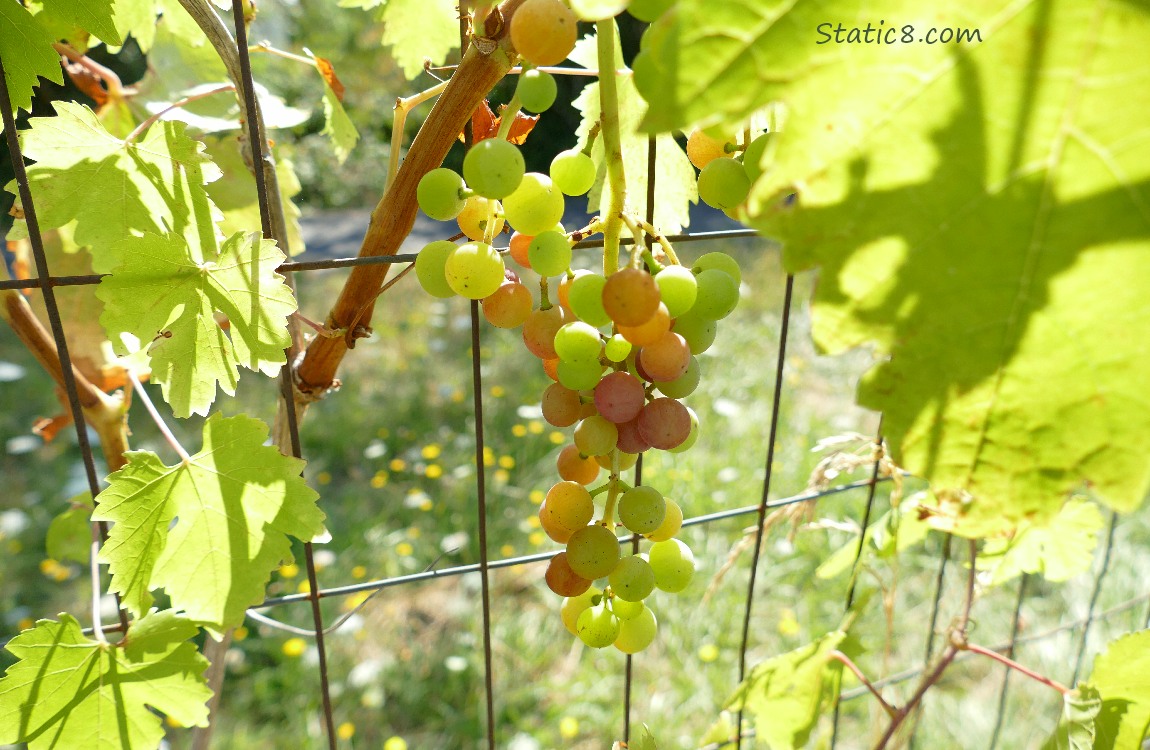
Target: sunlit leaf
1058	550
26	49
1076	729
1121	675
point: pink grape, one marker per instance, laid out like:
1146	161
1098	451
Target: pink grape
664	423
619	397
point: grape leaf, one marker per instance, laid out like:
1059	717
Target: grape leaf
67	691
337	125
208	530
167	294
892	533
787	693
1059	549
112	188
70	533
1121	675
138	18
438	25
969	206
94	16
674	175
26	49
1076	729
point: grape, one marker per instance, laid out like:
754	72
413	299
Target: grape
561	405
543	31
536	90
723	183
474	270
430	268
677	289
699	332
518	247
667	359
672	522
593	552
626	610
664	423
673	564
565	288
630	440
595	436
579	374
685	384
554	531
753	156
649	10
642	509
617	348
692	436
572	172
549	253
718	294
539	331
438	194
563	581
535	206
703	148
574	467
721	261
586	299
626	461
632	580
493	168
630	297
588	410
619	397
651	331
508	306
574	606
570	505
597	626
475	215
577	341
551	367
637	633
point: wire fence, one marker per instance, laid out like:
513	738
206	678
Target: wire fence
46	283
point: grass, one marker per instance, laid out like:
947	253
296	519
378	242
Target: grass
392	454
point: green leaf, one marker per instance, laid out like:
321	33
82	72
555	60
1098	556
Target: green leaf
1122	676
167	294
26	49
721	731
208	530
438	32
1076	729
113	189
887	536
138	18
67	691
786	694
70	533
968	206
1058	549
646	740
95	16
337	125
675	180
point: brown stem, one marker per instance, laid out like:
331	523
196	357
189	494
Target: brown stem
1002	658
107	75
846	660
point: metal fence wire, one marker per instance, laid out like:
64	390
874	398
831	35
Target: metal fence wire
46	283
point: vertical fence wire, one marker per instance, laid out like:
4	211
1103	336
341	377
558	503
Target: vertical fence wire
1082	645
1015	620
939	585
784	329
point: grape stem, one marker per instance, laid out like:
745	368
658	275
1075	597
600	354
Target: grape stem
640	238
143	126
846	660
1016	666
612	492
544	298
592	134
159	420
616	183
403	105
664	243
507	116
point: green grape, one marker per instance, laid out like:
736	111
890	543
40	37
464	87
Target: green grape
648	10
723	183
672	522
626	610
597	626
580	374
549	253
632	579
692	436
536	90
673	564
721	261
577	341
677	289
593	552
535	206
753	156
637	633
585	297
718	294
493	168
642	509
595	436
617	348
572	172
438	194
626	460
430	268
685	384
569	505
474	270
476	212
697	331
575	606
